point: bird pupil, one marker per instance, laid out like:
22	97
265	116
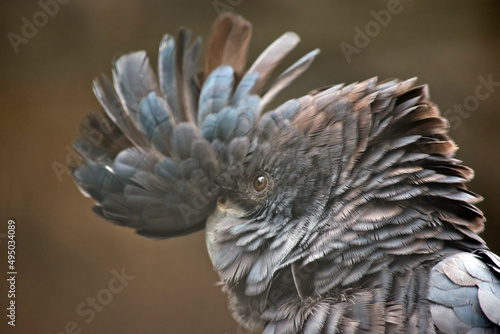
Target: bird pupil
260	183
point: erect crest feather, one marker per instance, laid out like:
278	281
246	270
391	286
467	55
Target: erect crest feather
153	165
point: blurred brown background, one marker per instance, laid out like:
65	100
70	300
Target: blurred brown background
65	254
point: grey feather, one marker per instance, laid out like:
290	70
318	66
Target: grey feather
289	75
341	211
133	80
153	111
272	56
167	74
216	92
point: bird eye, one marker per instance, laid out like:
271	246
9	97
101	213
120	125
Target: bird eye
260	183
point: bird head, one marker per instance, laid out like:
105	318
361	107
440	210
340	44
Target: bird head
347	179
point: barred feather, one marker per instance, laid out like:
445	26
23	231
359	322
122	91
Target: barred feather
339	211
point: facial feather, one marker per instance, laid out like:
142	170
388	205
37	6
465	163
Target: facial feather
316	212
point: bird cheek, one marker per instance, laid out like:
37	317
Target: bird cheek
225	216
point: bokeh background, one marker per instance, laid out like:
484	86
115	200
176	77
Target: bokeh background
65	254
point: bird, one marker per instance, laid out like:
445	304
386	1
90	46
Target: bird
341	211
